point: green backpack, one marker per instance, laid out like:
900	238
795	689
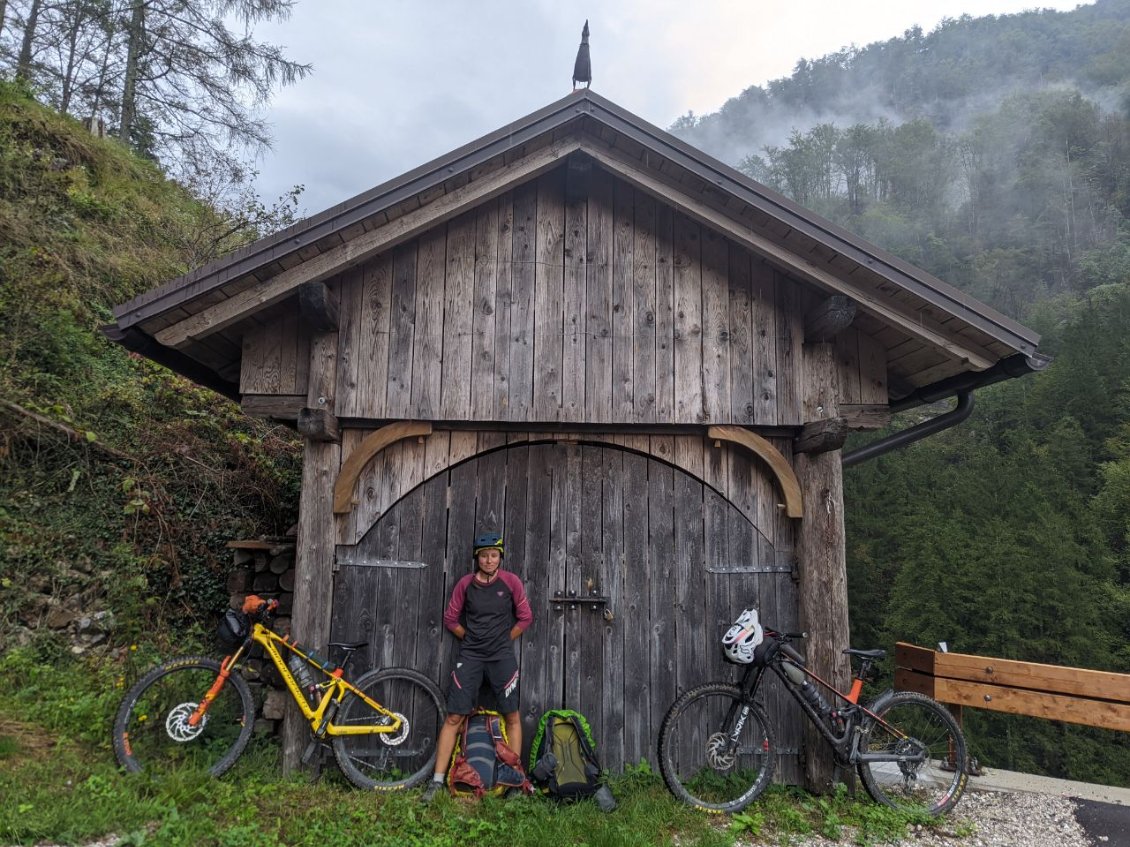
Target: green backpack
563	758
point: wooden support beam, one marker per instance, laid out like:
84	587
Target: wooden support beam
316	307
318	424
885	310
315	544
862	416
363	453
283	407
443	208
821	550
822	436
782	471
828	319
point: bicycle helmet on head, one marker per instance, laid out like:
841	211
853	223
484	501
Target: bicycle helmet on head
487	541
742	638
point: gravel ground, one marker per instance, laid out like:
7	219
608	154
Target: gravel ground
986	819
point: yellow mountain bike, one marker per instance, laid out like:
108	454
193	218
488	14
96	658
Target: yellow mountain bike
199	712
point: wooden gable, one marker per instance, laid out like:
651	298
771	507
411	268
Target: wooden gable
911	331
552	305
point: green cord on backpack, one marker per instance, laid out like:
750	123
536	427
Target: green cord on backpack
563	760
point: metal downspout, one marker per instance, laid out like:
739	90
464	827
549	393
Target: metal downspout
959	413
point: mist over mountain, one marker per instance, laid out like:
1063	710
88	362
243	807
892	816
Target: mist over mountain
959	70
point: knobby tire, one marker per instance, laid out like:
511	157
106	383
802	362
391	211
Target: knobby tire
697	758
933	785
150	732
385	762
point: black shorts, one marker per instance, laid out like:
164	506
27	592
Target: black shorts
467	679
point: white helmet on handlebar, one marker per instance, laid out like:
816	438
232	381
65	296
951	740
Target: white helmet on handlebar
742	638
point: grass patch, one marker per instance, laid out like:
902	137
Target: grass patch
9	746
62	785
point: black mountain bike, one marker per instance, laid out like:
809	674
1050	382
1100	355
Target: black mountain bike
717	752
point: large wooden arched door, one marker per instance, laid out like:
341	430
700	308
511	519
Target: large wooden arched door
634	570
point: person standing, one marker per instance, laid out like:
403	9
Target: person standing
487	612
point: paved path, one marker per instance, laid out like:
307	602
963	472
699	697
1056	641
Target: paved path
1104	810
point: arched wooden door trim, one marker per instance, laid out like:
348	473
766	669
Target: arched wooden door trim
786	478
364	452
584	442
405	464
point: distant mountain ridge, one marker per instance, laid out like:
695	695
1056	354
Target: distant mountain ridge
960	69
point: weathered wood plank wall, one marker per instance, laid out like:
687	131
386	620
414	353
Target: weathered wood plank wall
675	557
532	308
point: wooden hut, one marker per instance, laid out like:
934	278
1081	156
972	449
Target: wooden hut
634	361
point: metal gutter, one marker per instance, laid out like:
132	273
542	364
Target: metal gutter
963	386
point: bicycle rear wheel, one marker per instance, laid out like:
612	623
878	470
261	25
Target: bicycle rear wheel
390	761
932	776
152	730
716	752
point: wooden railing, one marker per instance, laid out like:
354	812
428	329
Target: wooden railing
1074	695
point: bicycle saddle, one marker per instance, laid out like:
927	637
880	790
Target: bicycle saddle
349	645
865	654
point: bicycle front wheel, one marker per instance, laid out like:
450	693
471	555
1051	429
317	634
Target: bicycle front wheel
390	761
154	732
716	752
929	773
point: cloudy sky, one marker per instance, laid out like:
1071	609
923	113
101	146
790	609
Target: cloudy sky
397	83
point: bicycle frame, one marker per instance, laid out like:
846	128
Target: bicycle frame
335	687
845	745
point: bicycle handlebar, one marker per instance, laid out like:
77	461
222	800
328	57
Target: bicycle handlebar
256	606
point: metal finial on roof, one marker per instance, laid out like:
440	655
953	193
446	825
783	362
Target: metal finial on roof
582	68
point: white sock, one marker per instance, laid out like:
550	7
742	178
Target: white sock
438	777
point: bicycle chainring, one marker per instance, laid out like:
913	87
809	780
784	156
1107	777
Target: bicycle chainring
177	725
911	747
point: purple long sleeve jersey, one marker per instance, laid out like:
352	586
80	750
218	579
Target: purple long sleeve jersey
487	612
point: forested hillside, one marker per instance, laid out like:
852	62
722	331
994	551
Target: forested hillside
119	482
994	152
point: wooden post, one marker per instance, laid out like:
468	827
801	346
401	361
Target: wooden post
822	557
314	556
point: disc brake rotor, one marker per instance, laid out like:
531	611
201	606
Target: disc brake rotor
720	752
177	725
393	739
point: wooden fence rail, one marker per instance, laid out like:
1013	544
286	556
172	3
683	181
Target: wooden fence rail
1074	695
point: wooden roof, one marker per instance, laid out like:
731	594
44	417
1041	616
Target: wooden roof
930	330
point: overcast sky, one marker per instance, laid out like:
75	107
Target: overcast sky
397	83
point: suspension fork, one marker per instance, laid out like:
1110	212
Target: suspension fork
739	709
213	692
